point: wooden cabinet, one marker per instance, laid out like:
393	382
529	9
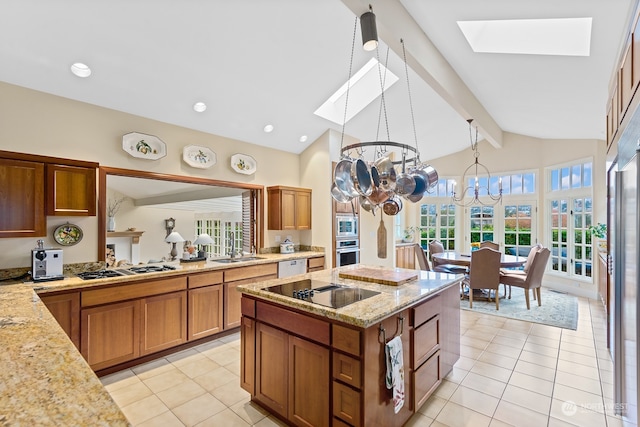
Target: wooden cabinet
315	264
71	190
247	354
164	322
242	276
22	211
292	376
110	334
205	305
406	256
65	308
289	208
352	207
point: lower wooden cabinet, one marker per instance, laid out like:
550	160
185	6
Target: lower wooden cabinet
164	322
272	361
406	256
247	354
205	311
65	308
232	297
110	334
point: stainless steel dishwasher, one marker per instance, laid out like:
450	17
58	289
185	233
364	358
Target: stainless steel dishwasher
292	267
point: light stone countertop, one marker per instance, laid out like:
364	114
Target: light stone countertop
367	312
44	380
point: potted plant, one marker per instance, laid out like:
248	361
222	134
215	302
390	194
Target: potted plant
599	231
409	234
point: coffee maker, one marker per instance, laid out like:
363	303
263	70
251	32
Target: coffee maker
46	264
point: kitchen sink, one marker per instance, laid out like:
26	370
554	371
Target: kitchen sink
241	259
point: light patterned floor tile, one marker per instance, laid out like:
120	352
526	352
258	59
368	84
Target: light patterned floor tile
491	371
475	400
483	384
532	369
216	378
419	420
579	382
519	415
198	367
432	407
143	410
576	415
168	379
127	395
532	383
198	409
230	393
249	411
529	399
150	369
181	393
166	419
455	415
581	398
226	418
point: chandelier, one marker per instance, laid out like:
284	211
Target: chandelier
471	182
385	181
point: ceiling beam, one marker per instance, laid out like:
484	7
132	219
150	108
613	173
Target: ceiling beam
395	23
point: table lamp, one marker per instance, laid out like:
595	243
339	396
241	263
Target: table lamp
173	238
203	239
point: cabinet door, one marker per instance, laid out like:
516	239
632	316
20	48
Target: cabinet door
71	190
303	210
110	334
66	310
205	311
164	322
272	360
308	383
22	199
233	311
288	209
248	354
405	257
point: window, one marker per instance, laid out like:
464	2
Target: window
438	217
219	231
570	205
518	228
481	223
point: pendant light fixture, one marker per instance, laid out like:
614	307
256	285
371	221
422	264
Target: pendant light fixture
476	179
369	30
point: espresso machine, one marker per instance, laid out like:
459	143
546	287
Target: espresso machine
46	264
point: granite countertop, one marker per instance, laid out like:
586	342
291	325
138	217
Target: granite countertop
44	380
74	282
369	311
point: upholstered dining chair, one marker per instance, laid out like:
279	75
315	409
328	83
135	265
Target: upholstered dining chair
532	279
490	244
484	273
535	248
436	247
423	262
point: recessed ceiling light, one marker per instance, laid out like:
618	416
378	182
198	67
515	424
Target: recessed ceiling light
81	70
364	87
268	128
303	138
199	107
564	36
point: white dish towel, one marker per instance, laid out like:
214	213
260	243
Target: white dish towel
395	372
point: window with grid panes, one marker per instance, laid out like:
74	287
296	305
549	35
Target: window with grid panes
438	217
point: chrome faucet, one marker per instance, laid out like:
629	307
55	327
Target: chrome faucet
232	237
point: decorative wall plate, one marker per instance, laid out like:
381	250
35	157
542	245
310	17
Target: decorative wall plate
67	234
198	157
244	164
143	146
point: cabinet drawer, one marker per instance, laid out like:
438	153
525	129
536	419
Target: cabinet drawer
135	290
205	279
296	323
346	339
426	380
251	271
347	369
425	340
346	404
425	311
315	263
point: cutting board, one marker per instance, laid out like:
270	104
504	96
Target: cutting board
384	277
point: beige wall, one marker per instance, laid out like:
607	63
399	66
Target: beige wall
38	123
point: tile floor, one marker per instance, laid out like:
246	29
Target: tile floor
510	373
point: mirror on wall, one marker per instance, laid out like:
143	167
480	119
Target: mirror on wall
134	208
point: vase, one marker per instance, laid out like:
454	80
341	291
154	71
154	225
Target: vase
111	223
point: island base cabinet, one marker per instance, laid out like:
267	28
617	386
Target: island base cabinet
110	334
426	379
271	368
248	355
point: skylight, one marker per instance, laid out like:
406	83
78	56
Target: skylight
364	87
565	36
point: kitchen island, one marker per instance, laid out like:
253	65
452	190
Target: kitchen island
312	364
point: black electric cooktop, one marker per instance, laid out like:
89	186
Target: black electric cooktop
322	293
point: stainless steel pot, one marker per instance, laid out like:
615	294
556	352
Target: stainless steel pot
361	177
392	206
431	174
386	173
338	195
342	178
405	183
366	204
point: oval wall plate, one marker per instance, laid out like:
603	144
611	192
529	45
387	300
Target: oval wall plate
199	157
143	146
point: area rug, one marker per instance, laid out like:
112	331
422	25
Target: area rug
558	309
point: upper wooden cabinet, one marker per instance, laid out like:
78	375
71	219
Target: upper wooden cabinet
71	190
289	208
21	199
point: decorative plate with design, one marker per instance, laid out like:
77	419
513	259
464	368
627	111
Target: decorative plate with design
198	157
143	146
67	234
243	164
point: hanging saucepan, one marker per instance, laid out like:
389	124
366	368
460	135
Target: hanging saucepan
386	173
366	204
405	184
421	186
392	206
361	177
379	196
338	195
342	178
375	177
431	174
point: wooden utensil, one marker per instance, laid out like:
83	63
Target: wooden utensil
382	239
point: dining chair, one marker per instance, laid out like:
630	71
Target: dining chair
484	273
535	248
532	279
490	244
423	262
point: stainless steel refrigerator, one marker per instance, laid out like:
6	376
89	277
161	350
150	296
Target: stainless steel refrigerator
624	235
